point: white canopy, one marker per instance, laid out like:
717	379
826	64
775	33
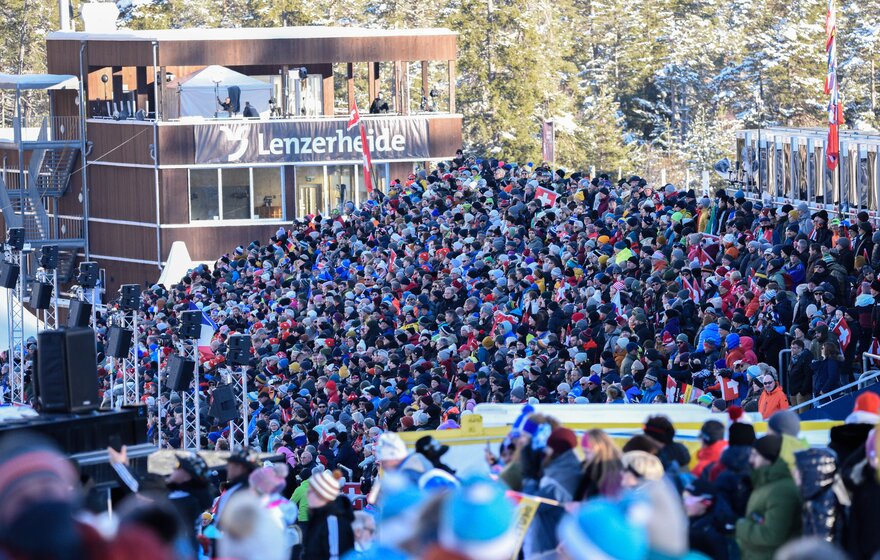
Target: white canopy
197	93
38	81
30	322
178	264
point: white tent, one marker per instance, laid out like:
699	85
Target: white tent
178	264
30	322
196	94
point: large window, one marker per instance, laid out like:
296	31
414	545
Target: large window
236	194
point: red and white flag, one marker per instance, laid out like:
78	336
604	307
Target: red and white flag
844	334
354	119
671	389
695	292
392	258
545	196
875	349
729	388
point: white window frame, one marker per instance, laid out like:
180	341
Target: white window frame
238	221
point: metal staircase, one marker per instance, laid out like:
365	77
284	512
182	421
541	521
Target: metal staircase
53	156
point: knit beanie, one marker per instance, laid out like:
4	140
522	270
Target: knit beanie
785	422
712	431
769	447
600	529
561	440
494	537
325	485
741	434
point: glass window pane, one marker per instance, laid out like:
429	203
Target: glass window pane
309	190
267	193
204	203
340	175
236	194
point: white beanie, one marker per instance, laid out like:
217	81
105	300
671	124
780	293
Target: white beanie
325	485
390	448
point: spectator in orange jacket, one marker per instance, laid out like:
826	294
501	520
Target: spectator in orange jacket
773	399
713	444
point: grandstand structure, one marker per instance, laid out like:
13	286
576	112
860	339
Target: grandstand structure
153	143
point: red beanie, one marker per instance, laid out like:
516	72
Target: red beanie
561	440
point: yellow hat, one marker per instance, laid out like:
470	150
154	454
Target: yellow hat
603	239
343	372
294	367
603	259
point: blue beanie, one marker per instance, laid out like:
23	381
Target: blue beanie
732	341
494	537
600	529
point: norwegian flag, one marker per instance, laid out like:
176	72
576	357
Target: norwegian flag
353	121
545	196
844	334
671	389
693	289
729	388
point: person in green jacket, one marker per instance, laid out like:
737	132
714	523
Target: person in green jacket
773	513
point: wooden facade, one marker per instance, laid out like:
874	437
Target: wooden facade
139	194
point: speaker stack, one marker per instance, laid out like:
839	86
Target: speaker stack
41	295
65	372
223	407
239	353
88	275
118	342
79	314
190	324
180	372
131	297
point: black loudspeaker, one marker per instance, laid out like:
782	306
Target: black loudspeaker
239	353
223	404
41	295
190	324
8	274
180	372
88	275
49	257
15	238
131	296
66	370
118	342
79	314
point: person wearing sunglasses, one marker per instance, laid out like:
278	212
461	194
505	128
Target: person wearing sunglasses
772	399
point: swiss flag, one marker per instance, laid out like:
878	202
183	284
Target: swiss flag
671	389
729	388
844	334
354	117
545	196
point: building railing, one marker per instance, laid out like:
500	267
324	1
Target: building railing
860	383
58	129
150	119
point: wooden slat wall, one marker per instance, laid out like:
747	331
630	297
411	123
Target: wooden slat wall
444	136
118	273
63	55
121	142
208	243
131	242
122	193
177	144
174	196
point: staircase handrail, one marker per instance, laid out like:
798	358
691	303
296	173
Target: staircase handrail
844	388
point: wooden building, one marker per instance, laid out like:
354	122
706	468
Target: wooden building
165	162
